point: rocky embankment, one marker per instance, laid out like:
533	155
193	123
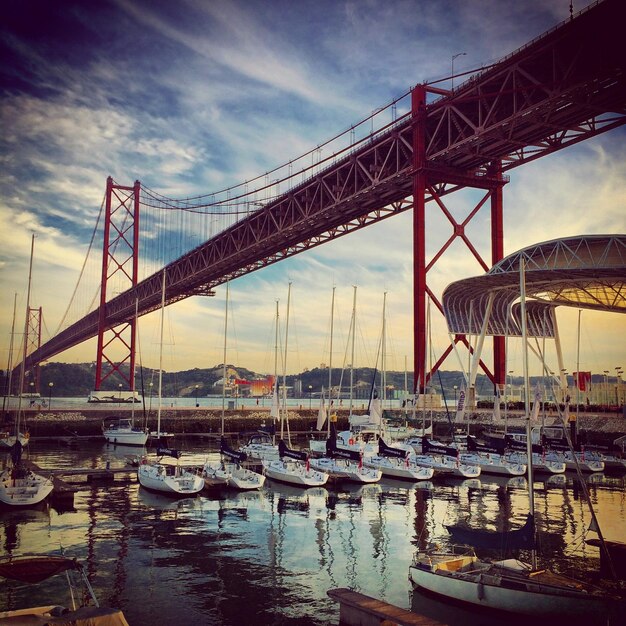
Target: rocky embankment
599	429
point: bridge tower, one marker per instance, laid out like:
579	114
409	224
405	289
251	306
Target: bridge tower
120	256
430	183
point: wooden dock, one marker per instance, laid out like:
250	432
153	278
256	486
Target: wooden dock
357	609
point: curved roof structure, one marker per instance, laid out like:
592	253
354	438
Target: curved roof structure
587	272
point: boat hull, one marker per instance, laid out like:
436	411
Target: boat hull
169	480
24	491
347	470
399	469
294	473
518	601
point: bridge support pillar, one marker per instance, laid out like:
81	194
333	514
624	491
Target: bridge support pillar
116	346
432	183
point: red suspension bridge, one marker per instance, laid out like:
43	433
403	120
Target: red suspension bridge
560	89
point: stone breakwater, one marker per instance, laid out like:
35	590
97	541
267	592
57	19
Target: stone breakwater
599	429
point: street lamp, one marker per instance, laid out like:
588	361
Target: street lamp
455	388
197	405
50	385
151	385
606	386
618	373
454	56
120	396
310	387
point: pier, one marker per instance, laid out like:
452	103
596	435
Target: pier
357	609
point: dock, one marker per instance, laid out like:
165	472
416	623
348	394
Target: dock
63	491
357	609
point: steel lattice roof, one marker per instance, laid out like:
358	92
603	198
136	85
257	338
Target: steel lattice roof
587	272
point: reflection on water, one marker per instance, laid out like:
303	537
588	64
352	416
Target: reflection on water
270	556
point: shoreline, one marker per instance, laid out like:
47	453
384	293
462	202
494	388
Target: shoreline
601	429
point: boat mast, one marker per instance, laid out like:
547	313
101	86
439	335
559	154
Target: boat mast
132	374
330	361
10	360
529	443
578	367
161	356
224	365
383	362
286	415
353	326
23	366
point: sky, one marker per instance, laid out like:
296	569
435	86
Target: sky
191	97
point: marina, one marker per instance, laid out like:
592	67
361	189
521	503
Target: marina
272	555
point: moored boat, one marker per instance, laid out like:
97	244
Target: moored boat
122	431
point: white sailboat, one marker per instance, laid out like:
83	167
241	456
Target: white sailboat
292	466
510	585
20	486
230	472
166	478
395	462
260	445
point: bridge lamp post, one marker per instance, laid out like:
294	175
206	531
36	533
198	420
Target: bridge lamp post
50	385
120	395
151	385
455	388
606	386
310	392
618	373
197	405
454	56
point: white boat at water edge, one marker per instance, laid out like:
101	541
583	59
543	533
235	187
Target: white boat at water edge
230	473
122	431
509	585
395	461
169	479
20	487
293	468
345	469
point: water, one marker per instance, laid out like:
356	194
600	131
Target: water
269	557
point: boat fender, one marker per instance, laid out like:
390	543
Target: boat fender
480	589
351	441
143	461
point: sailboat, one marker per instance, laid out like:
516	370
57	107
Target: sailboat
122	431
231	472
20	486
260	445
347	465
7	440
510	585
292	466
395	462
166	478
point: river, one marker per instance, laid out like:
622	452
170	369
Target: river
269	557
